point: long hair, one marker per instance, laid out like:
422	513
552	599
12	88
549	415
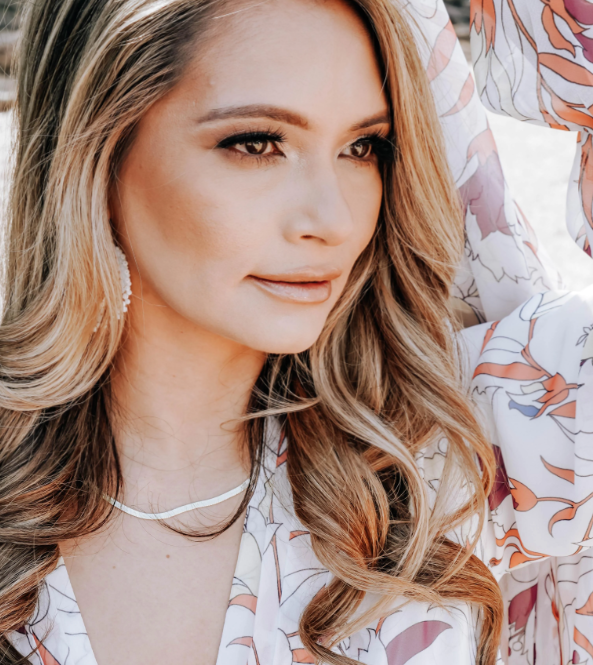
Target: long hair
380	384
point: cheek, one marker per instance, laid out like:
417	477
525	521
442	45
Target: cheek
184	223
363	191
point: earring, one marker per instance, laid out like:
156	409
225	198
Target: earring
126	286
126	281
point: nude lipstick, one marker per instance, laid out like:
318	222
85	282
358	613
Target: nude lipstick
306	286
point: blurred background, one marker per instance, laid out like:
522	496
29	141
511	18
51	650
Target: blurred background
9	34
536	160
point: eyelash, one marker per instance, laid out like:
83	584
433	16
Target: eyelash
383	147
268	136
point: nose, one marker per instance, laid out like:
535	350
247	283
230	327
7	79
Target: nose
318	209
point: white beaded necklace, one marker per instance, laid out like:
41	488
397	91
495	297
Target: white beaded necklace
182	509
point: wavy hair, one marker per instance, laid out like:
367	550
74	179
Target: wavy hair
381	382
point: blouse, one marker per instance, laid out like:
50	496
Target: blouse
532	382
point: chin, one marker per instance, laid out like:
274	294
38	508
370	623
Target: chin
283	348
283	342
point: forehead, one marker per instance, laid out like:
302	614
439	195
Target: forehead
312	56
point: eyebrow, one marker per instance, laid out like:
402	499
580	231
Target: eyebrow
282	115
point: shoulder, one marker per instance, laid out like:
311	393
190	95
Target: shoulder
531	377
534	363
551	328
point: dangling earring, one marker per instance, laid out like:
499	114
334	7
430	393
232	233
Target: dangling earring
126	281
126	286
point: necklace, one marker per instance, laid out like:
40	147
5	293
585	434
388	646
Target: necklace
182	509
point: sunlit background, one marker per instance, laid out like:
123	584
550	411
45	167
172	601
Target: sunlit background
536	160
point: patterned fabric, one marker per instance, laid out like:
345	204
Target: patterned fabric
526	383
502	265
533	383
533	60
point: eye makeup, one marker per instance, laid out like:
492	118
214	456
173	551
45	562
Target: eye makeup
382	147
267	136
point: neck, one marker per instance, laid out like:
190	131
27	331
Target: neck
179	392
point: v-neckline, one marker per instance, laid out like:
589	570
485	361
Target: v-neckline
58	598
66	590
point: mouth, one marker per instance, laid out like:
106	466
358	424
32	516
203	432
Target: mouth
299	287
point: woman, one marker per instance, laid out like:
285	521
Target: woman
232	241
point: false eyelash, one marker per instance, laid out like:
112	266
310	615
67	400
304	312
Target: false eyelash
246	137
383	146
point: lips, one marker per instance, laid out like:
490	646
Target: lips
306	287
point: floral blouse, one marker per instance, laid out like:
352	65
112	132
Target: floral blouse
532	381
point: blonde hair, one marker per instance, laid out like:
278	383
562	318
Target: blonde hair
380	384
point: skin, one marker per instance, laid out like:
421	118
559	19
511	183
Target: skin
233	255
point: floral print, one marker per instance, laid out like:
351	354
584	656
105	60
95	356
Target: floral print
532	381
533	60
531	376
502	264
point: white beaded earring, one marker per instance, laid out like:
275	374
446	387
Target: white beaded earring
126	286
126	281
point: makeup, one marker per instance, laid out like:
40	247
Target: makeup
307	286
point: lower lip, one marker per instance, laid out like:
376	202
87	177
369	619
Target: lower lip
297	292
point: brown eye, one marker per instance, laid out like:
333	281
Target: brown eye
256	147
361	149
254	144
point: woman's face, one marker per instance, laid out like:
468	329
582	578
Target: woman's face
251	189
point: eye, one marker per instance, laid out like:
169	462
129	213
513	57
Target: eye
256	147
254	144
361	149
371	149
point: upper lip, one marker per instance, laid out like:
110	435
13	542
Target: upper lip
302	275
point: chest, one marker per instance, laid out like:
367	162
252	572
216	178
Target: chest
152	597
276	576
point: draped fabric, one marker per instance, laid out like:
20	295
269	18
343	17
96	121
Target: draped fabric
533	383
503	264
533	61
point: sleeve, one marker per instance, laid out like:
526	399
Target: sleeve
502	264
533	60
533	384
